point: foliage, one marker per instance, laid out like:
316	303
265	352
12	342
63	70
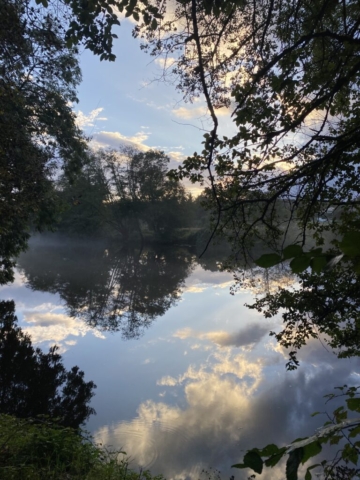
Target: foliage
263	55
126	192
38	134
338	431
92	23
34	383
110	289
40	449
84	200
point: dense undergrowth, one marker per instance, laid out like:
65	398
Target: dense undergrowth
42	450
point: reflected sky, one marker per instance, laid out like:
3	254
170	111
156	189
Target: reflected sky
201	385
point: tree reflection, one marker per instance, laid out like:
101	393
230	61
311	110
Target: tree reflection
118	290
35	383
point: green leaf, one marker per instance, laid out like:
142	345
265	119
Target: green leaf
292	251
293	463
299	264
308	474
334	440
253	460
349	454
274	459
354	432
315	413
269	450
268	260
239	465
350	244
318	263
310	450
353	404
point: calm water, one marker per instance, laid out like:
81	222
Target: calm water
187	377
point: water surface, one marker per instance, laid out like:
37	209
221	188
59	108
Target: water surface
188	377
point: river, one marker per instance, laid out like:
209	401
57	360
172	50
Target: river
187	377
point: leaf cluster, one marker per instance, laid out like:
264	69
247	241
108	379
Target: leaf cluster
338	431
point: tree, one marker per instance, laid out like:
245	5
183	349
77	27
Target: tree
38	134
289	73
141	193
122	290
259	58
84	200
34	383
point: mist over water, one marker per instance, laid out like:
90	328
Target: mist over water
188	378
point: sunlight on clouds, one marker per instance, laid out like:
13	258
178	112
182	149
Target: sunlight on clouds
56	328
116	139
250	335
89	120
216	410
177	156
187	113
194	289
165	63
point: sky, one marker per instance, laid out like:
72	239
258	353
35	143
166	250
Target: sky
203	384
125	103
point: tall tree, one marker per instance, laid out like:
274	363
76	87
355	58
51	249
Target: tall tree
38	134
141	192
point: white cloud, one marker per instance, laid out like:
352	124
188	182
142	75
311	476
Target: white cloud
105	139
56	328
187	113
250	335
216	411
89	120
177	156
165	63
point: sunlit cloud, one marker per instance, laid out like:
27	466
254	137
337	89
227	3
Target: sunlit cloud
116	139
83	120
187	113
217	407
249	335
55	328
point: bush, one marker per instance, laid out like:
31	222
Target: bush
40	449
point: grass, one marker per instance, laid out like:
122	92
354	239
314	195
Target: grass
42	450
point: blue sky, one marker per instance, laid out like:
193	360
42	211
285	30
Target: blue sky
122	102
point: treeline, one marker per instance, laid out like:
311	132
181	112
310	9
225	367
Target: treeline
128	193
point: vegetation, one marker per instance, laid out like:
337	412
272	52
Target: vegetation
122	290
289	71
38	77
126	193
339	431
40	449
34	383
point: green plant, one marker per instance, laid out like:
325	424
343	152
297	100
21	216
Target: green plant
41	449
338	431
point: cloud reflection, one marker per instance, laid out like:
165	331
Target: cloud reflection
55	328
249	335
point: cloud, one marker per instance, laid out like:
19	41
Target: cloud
55	328
105	139
89	120
249	335
215	414
187	113
177	156
165	63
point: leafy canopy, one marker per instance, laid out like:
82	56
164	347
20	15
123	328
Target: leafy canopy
38	133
